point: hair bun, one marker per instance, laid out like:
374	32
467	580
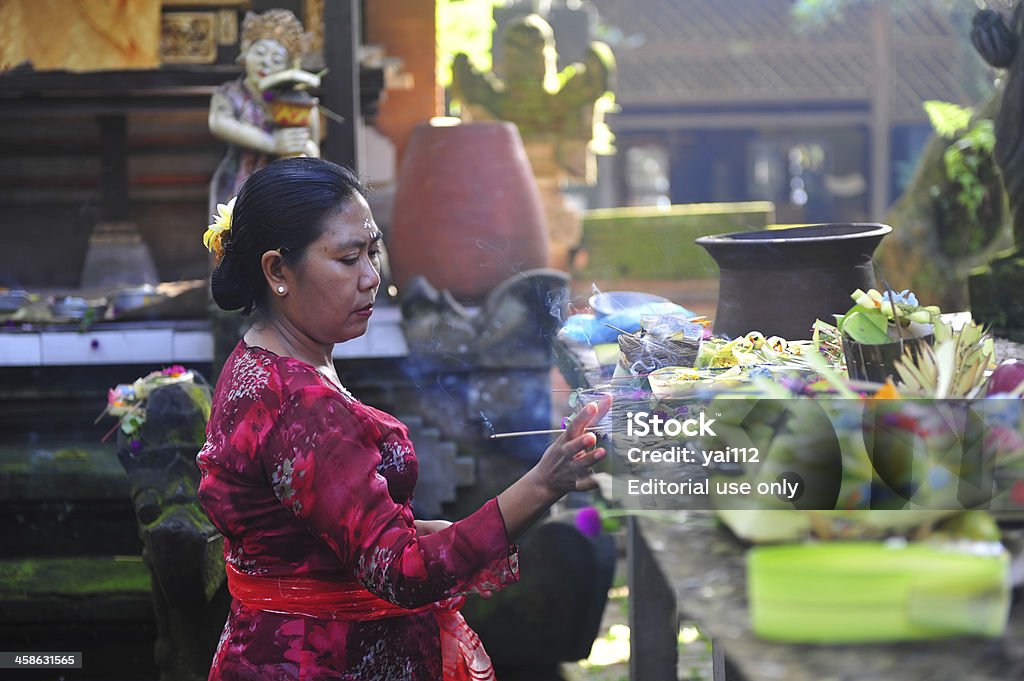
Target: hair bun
231	289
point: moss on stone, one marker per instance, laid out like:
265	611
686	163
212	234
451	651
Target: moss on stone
73	577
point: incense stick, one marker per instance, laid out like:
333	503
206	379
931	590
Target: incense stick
518	433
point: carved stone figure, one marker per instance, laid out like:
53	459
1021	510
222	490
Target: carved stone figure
559	114
181	548
266	113
500	356
999	44
939	240
995	290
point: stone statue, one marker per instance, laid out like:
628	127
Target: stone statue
995	290
266	113
181	548
999	46
559	114
938	244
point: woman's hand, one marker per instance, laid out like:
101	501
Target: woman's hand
564	467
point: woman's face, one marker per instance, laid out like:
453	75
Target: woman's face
264	57
331	292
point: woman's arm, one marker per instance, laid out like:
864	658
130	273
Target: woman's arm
564	467
325	471
335	488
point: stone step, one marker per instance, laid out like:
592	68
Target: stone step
65	501
75	588
440	472
100	606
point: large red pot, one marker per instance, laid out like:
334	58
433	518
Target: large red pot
467	212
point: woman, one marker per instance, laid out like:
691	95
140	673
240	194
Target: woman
271	42
332	577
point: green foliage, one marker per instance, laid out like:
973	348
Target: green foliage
464	26
947	118
963	160
969	167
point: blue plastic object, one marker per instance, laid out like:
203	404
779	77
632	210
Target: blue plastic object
611	302
594	329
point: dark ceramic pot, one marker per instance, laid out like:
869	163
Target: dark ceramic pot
779	281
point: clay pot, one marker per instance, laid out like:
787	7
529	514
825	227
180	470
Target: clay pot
467	214
779	281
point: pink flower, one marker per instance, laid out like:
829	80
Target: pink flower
174	370
588	521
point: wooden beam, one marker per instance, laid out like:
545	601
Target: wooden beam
653	620
341	83
881	109
654	123
114	167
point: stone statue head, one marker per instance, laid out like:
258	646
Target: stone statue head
271	41
529	53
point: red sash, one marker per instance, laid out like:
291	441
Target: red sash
463	657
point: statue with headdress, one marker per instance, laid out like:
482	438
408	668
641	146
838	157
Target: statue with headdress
560	114
266	113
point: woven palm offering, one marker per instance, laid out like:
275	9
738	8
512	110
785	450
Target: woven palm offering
662	341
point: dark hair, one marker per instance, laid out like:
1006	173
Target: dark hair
282	206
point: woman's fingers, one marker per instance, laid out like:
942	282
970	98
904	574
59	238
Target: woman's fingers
584	441
586	482
584	460
589	415
578	425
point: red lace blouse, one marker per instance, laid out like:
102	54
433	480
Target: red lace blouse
304	480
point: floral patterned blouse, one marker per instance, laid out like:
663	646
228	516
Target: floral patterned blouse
304	480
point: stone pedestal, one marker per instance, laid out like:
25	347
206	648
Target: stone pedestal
995	292
486	371
564	221
181	548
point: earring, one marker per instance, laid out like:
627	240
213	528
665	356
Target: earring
280	289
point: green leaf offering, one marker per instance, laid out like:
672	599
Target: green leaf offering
865	326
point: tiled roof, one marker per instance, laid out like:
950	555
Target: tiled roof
706	52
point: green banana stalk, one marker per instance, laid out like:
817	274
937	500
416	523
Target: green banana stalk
857	592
